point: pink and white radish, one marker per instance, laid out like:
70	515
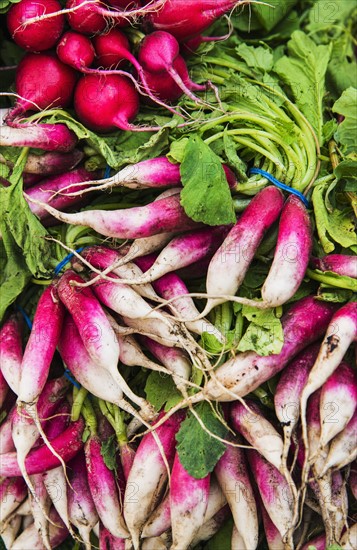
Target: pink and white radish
11	530
272	534
35	37
291	256
148	475
232	475
48	137
4	388
239	247
211	526
30	537
161	216
40	506
339	263
343	449
175	360
338	402
188	504
11	351
13	491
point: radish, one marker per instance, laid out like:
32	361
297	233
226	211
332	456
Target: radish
109	48
239	247
291	256
30	537
47	188
339	263
42	81
13	491
148	475
341	332
51	163
275	492
274	538
258	431
76	50
107	541
81	508
7	444
39	36
173	359
353	480
11	530
40	506
188	504
305	322
41	459
48	137
4	388
132	355
232	475
348	541
343	449
161	216
103	488
339	502
338	402
212	526
11	351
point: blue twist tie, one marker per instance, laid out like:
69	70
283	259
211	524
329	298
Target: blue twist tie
279	184
65	260
68	375
107	171
25	316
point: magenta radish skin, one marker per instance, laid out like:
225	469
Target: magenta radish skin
161	216
76	50
274	538
274	491
48	137
292	254
232	475
291	383
81	508
107	541
103	489
188	19
11	351
51	163
39	36
338	402
41	345
127	455
343	449
258	431
352	481
45	189
113	95
89	317
339	263
13	491
304	323
109	48
148	475
188	504
239	247
172	358
4	388
52	87
41	459
340	334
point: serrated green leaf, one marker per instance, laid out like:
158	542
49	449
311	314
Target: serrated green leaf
346	133
264	334
258	58
108	451
177	150
206	195
160	390
199	452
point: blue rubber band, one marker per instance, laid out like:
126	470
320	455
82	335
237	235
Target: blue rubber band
279	184
68	375
67	259
107	171
25	316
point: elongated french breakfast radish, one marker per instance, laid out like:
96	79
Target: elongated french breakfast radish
4	388
11	530
49	137
274	538
13	491
41	459
304	323
30	537
292	254
173	359
343	449
342	264
340	333
39	36
107	541
148	475
52	190
160	216
40	507
11	351
338	402
339	504
81	508
274	491
103	488
185	20
258	431
232	475
51	163
212	526
230	263
188	504
132	355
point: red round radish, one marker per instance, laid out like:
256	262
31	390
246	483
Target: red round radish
104	103
86	19
122	5
43	81
158	51
76	50
163	86
38	36
109	48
